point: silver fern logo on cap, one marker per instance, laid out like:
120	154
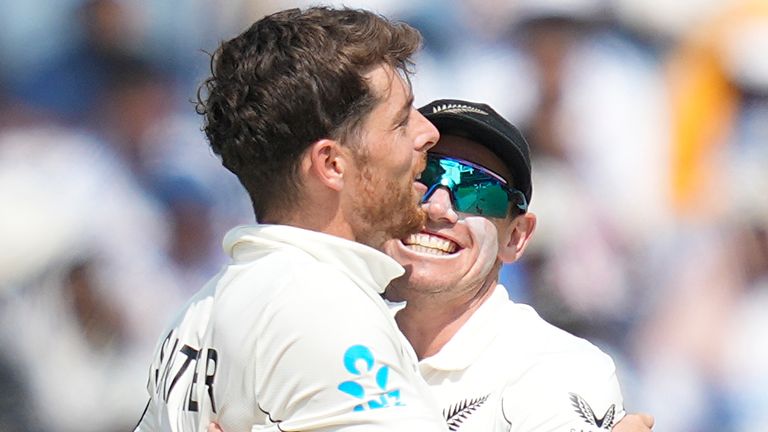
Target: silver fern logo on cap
457	109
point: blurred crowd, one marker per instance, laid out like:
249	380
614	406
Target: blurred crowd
648	124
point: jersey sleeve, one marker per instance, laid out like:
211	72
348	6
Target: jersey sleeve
329	358
575	392
147	421
174	373
150	417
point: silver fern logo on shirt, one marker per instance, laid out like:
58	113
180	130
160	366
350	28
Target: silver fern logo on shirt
456	414
585	411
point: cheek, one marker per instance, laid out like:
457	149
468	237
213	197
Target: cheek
486	238
392	158
399	155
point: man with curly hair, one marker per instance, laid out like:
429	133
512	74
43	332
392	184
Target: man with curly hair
312	111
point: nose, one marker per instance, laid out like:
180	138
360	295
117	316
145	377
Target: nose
427	132
439	207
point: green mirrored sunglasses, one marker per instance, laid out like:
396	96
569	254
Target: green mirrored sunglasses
473	189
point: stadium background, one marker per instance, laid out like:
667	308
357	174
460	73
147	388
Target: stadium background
648	121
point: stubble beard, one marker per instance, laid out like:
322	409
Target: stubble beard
388	209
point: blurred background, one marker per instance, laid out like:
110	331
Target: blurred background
648	123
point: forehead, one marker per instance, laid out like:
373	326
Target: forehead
472	151
388	86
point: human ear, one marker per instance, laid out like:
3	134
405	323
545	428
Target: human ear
327	161
515	237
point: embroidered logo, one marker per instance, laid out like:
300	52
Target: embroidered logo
457	413
358	360
457	109
585	411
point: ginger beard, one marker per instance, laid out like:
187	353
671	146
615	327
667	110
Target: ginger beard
388	208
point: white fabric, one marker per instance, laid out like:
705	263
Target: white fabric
275	333
509	370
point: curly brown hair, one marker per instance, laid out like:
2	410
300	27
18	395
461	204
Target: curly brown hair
292	78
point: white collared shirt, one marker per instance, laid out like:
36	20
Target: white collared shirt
507	369
292	335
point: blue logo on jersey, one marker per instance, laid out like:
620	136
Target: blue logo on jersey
358	360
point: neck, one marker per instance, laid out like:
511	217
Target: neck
323	216
430	320
327	225
326	215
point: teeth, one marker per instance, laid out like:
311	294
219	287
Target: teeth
426	250
430	244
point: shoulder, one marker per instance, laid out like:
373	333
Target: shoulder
555	376
290	290
287	273
532	337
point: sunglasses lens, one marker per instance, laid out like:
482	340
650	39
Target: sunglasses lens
472	190
486	198
432	173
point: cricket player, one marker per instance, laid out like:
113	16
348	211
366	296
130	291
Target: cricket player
312	110
493	364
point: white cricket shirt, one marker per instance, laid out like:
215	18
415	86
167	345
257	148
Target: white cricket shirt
509	370
292	335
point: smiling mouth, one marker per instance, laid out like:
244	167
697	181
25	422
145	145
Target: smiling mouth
430	244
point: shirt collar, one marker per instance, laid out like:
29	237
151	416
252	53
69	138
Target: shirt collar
363	264
477	333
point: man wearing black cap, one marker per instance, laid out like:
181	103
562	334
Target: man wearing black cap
494	364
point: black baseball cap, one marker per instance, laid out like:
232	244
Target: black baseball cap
482	124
